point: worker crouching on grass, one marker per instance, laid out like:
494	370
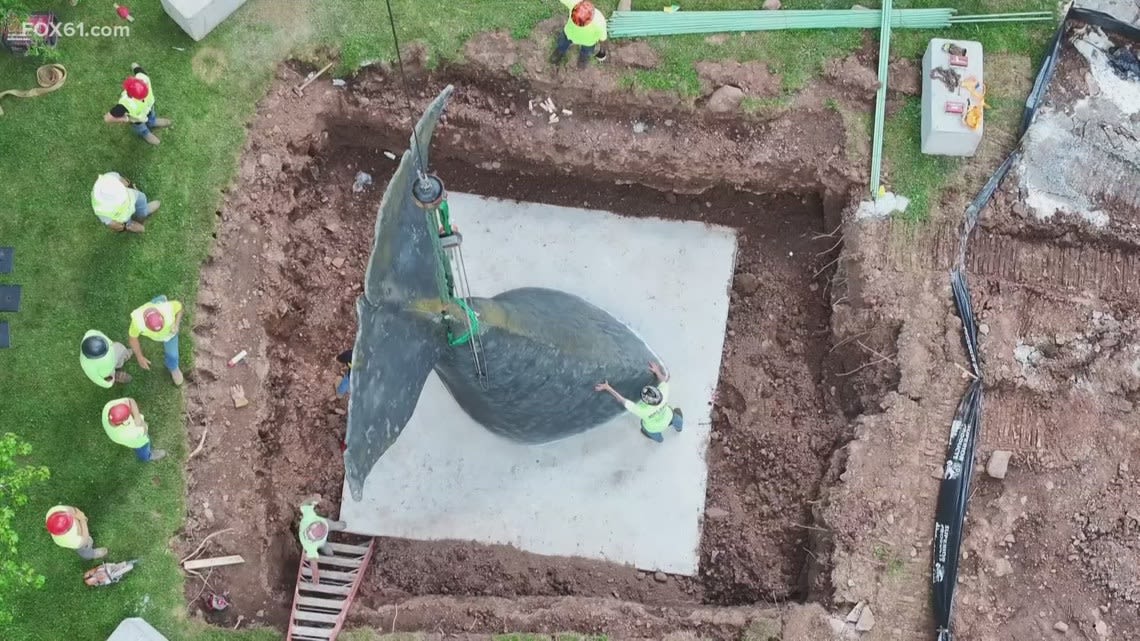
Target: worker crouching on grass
313	532
136	106
653	408
119	205
586	28
125	425
68	528
158	320
102	360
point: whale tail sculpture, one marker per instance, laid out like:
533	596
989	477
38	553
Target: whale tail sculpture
537	352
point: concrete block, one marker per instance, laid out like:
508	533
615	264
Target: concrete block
944	133
610	493
199	17
136	629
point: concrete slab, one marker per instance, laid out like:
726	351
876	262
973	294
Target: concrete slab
608	494
136	629
199	17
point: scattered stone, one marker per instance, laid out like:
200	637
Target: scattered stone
726	99
716	513
1009	538
660	577
338	262
984	329
362	180
332	227
1049	486
1123	468
1061	626
999	464
853	615
640	127
771	5
748	283
1003	568
259	614
208	514
1101	629
866	620
389	155
640	576
338	411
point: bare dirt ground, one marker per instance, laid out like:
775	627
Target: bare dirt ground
841	368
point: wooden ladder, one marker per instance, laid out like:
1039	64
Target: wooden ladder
319	609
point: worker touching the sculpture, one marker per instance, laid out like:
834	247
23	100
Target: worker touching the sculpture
586	28
136	106
653	409
68	528
158	320
120	206
125	425
345	358
313	531
102	360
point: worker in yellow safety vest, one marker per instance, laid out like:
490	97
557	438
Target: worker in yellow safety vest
102	360
136	106
125	425
313	531
68	528
586	28
158	320
120	206
653	409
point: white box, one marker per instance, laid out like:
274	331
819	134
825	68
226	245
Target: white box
946	134
199	17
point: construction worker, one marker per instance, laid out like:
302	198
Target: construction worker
653	408
68	528
344	357
120	206
158	320
586	28
313	532
136	106
125	424
102	360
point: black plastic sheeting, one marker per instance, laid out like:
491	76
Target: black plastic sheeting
957	471
543	349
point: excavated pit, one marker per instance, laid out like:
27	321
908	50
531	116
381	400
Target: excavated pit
292	245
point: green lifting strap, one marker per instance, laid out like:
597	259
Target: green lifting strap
472	325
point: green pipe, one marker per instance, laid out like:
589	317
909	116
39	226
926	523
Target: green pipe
881	99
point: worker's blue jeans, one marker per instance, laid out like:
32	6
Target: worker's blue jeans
141	204
564	43
342	388
143	128
170	347
143	453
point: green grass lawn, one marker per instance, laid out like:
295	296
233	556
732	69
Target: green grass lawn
77	275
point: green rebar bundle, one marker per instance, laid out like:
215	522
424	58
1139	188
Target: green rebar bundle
630	24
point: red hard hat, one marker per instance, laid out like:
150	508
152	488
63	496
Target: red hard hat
583	13
119	413
153	319
59	522
136	88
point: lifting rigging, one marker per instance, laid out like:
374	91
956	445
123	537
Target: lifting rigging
460	319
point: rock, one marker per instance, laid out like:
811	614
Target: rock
660	577
770	5
261	613
984	329
332	227
1101	629
866	620
726	99
270	162
1003	567
338	262
748	283
1061	626
640	576
999	464
640	127
716	513
853	615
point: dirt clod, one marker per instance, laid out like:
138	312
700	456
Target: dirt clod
998	464
660	577
725	99
1061	627
748	283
